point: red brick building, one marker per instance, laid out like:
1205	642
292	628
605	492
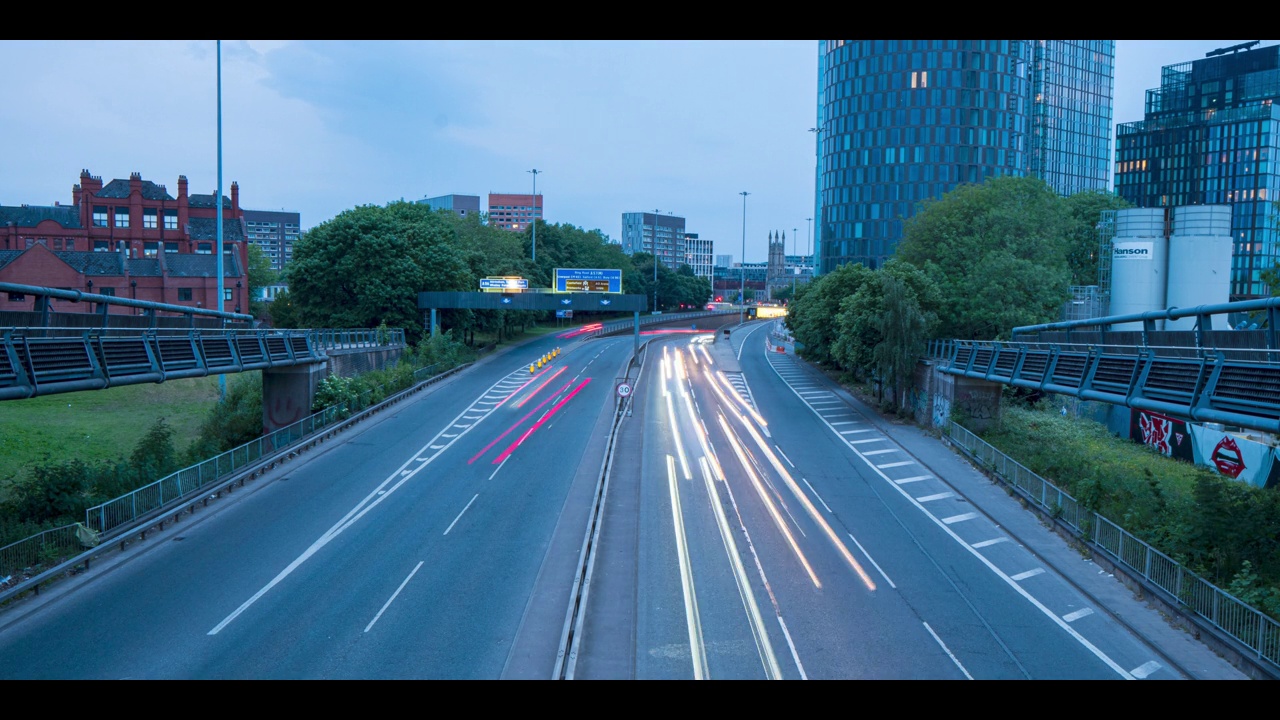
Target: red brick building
511	211
128	238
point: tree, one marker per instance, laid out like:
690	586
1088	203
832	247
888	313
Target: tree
860	322
903	329
1086	208
260	275
998	253
367	265
811	317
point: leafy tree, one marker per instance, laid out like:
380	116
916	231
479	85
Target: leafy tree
260	274
998	253
859	324
903	329
1085	209
235	420
811	316
367	265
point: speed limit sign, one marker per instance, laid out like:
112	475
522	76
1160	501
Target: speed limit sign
623	389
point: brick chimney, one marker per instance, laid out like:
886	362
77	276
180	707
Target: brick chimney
235	198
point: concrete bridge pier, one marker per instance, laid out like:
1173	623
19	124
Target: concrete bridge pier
287	393
943	393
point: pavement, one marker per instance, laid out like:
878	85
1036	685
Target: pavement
1176	639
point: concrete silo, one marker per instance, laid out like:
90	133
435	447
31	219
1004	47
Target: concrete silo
1139	264
1199	262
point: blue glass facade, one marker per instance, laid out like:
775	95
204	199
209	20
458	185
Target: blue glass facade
1209	136
904	121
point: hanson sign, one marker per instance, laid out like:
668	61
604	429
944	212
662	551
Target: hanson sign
1133	250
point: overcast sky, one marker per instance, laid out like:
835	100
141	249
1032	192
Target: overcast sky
317	127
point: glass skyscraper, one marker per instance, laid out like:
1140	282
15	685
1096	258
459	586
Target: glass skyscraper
903	121
1209	136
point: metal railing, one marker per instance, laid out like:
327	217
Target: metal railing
1245	625
52	546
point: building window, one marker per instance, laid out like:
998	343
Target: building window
122	217
171	247
17	297
102	246
150	249
99	215
170	219
204	248
226	294
149	218
184	293
108	291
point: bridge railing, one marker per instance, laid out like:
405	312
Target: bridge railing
1257	633
182	484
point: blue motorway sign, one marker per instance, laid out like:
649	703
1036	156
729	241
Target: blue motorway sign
584	280
504	283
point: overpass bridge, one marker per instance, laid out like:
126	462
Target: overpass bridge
1223	376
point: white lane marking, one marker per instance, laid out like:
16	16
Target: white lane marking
697	649
1066	627
393	596
1074	616
422	459
455	520
450	436
914	478
872	560
1024	575
1142	671
784	457
879	452
855	432
744	340
959	518
495	472
436	447
815	494
947	651
939	496
459	425
765	649
370	501
896	464
843	422
992	541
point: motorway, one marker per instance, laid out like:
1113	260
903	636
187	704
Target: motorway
755	525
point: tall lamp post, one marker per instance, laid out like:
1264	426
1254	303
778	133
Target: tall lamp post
217	203
810	248
793	274
817	138
534	212
742	294
655	259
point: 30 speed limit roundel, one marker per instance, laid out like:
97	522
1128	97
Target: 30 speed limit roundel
623	389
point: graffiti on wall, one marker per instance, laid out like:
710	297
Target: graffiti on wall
979	404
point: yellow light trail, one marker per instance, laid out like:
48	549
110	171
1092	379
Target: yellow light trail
768	502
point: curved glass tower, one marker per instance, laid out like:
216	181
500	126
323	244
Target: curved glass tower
902	121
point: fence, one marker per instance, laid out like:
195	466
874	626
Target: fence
1242	623
51	546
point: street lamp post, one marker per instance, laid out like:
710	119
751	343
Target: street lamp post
654	238
810	248
793	274
742	294
217	203
534	212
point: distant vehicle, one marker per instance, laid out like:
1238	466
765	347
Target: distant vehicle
720	306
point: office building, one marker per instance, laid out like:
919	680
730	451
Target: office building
697	255
462	205
1209	136
904	121
639	230
514	211
274	232
126	238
